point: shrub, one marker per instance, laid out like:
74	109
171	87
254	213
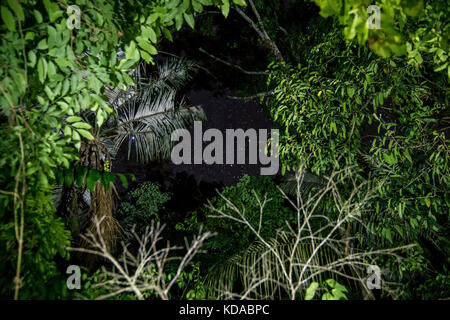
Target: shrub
146	202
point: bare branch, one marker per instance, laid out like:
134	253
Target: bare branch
144	271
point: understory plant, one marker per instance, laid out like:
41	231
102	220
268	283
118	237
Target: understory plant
144	116
146	203
312	247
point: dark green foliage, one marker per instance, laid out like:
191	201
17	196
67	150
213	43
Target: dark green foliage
45	240
47	78
344	106
434	288
416	29
375	101
232	237
146	203
80	175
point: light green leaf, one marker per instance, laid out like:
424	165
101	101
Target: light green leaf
74	119
81	125
42	69
311	290
241	3
149	33
225	8
189	19
86	134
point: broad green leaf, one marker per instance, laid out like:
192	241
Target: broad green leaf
86	134
149	33
189	19
91	179
8	18
225	8
124	180
53	10
17	8
81	125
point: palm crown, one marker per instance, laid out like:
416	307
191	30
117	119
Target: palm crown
147	113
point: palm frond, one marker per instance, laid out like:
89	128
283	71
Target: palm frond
147	121
259	262
174	73
148	112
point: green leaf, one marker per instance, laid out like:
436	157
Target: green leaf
68	131
31	58
8	18
241	3
311	290
189	19
107	179
152	18
350	91
428	202
49	93
52	37
178	22
42	45
149	33
17	8
167	34
76	136
389	158
197	6
86	134
81	125
91	179
100	119
80	172
328	296
131	51
38	16
225	8
173	4
68	177
52	10
338	294
147	46
148	58
74	119
413	8
185	5
329	7
124	180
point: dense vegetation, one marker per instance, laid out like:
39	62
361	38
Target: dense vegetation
363	119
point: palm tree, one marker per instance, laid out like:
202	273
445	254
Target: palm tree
147	114
144	117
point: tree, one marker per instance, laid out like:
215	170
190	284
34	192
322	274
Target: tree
303	251
144	117
46	77
415	28
341	106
